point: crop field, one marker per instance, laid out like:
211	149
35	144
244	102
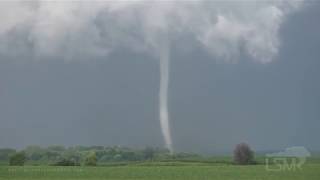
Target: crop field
178	171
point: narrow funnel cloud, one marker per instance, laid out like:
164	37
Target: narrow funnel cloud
163	96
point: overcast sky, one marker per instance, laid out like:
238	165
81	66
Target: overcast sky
75	92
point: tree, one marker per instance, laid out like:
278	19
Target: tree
34	153
72	155
243	155
18	159
91	159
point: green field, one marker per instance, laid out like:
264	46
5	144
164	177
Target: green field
179	171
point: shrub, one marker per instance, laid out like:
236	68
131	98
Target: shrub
17	159
91	159
66	162
243	155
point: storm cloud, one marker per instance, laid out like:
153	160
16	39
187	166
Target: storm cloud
45	35
72	29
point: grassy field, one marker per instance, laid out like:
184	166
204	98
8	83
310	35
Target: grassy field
150	171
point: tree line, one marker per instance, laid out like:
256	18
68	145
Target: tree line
82	155
93	155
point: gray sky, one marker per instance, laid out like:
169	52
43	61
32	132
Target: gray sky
113	99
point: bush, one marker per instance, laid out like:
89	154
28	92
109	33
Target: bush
91	159
243	155
17	159
66	162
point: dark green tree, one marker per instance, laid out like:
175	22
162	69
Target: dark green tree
18	159
243	155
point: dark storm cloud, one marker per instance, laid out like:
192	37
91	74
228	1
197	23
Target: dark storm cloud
99	96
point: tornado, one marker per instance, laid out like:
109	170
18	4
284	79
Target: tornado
163	97
49	30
